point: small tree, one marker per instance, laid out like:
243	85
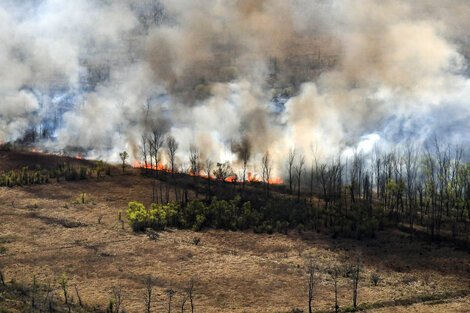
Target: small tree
355	278
34	290
148	293
299	170
172	146
311	284
117	298
194	160
190	293
170	293
63	282
267	166
184	298
208	169
123	155
78	297
156	143
290	165
334	272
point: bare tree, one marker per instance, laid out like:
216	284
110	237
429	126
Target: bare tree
151	150
267	166
299	170
157	143
117	297
311	284
170	293
208	168
78	297
148	293
184	299
244	153
144	149
290	165
172	146
34	290
194	160
355	277
411	173
334	272
190	292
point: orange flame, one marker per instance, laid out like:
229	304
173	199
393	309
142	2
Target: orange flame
251	177
275	181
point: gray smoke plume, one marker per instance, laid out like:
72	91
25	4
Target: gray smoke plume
268	75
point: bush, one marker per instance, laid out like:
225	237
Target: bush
157	218
137	216
375	278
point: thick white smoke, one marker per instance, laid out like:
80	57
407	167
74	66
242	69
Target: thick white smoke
320	76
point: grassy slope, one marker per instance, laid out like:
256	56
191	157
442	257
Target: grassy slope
45	233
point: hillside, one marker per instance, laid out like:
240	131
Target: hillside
46	232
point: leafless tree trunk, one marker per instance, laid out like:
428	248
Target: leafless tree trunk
117	296
172	146
78	296
184	298
194	160
170	293
208	168
157	143
267	169
144	150
148	293
411	172
244	154
151	150
355	277
290	164
311	284
190	292
334	275
299	170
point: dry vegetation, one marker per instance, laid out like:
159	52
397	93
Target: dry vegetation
46	232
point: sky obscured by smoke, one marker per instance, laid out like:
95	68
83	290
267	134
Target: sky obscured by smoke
97	74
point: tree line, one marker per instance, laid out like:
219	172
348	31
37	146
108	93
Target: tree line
425	189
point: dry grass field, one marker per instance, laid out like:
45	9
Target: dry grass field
45	232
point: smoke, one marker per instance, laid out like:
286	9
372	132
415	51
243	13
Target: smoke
323	77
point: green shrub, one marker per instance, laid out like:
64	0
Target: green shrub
137	216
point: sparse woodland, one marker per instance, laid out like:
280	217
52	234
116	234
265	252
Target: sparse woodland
425	191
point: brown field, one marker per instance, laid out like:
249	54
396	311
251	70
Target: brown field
45	232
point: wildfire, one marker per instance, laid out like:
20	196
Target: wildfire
251	177
59	154
275	181
159	167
